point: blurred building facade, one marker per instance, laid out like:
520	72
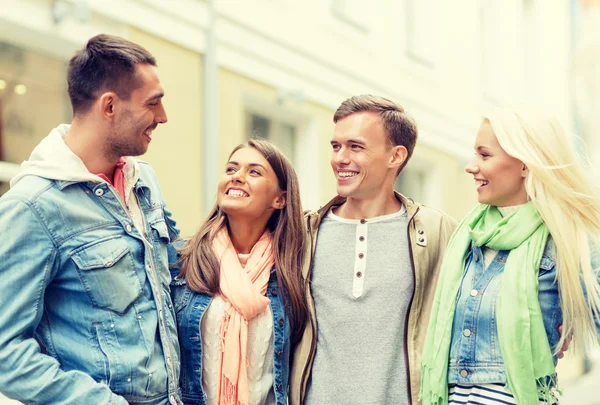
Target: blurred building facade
279	68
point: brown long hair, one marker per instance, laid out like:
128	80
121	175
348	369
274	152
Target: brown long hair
200	266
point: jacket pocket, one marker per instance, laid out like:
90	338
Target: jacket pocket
107	272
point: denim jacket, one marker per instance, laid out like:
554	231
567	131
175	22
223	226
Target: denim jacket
77	276
190	308
475	356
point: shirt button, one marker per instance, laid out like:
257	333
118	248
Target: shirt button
362	238
464	373
279	387
420	231
274	291
279	354
360	255
421	240
281	321
363	221
358	274
467	332
112	325
99	192
474	293
128	227
129	380
139	317
476	257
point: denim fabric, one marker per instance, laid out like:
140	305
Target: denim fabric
78	276
475	356
190	308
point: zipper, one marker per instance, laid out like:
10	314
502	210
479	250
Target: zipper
313	322
152	271
412	266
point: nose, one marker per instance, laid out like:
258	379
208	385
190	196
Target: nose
472	167
161	115
342	156
239	176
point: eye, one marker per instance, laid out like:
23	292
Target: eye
356	146
484	155
255	172
230	170
335	146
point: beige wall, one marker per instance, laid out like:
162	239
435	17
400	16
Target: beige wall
176	149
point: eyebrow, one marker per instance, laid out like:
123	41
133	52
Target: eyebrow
356	141
231	162
156	97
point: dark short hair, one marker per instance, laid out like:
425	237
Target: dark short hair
106	63
401	128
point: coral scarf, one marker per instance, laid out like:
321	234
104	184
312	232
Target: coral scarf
243	290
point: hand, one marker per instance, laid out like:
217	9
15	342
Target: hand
565	345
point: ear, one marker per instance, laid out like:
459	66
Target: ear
106	104
399	155
280	201
524	170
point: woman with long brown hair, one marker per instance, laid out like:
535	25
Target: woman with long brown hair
237	284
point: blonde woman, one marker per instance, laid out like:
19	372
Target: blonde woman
237	284
523	262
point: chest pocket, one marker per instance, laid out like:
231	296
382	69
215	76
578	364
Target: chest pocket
160	231
107	273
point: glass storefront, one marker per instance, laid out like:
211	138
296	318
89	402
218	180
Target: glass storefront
33	100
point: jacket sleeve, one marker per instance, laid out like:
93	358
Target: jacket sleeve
27	266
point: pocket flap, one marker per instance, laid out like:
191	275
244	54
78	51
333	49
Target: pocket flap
102	253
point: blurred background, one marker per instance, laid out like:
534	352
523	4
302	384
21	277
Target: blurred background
280	68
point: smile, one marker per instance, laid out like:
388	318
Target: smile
237	193
347	174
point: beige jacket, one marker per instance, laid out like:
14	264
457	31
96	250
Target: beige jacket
429	231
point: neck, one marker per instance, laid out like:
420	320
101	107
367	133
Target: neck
84	141
355	208
244	234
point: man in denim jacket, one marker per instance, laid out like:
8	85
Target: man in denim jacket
84	268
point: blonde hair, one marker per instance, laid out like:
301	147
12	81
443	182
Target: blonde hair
564	193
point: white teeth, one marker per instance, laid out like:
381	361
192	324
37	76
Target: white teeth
347	174
148	132
481	182
237	193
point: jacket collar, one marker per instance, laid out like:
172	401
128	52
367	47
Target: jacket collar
315	217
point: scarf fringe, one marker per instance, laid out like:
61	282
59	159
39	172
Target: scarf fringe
229	393
547	387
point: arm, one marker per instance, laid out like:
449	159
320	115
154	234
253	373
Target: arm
28	265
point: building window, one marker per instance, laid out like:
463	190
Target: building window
33	100
354	13
411	184
422	31
282	134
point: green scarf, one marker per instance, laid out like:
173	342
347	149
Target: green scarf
523	341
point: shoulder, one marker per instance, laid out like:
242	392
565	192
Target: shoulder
29	188
433	217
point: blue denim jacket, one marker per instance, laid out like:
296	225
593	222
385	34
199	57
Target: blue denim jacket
475	356
78	276
190	308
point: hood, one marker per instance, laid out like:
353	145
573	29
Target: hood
52	159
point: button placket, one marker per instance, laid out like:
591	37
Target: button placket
360	258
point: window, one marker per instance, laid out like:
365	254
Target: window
282	134
421	181
422	30
354	13
411	184
33	100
